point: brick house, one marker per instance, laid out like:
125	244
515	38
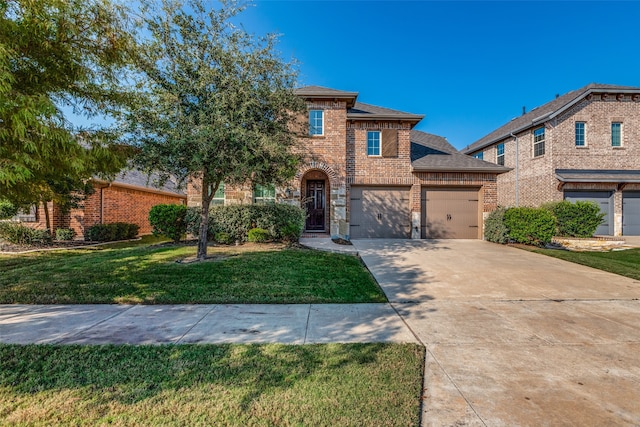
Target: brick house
584	145
128	198
371	175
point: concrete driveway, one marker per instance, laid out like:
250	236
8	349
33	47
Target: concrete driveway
513	337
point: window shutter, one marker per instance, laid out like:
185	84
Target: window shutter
389	143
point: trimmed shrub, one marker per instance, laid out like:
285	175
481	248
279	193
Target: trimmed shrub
19	234
258	235
168	221
494	228
283	222
7	209
531	226
111	232
579	219
65	234
223	238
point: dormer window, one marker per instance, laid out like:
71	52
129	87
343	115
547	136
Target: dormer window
316	122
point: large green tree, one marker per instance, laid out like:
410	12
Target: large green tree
57	55
218	103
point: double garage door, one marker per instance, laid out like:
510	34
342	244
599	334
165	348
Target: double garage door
385	212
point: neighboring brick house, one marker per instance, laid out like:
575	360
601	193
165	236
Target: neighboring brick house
128	198
584	145
371	175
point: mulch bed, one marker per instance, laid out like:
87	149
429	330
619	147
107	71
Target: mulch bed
11	247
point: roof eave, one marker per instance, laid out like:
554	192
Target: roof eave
407	117
605	180
139	188
497	170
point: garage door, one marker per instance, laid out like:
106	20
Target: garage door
380	212
601	198
631	213
450	213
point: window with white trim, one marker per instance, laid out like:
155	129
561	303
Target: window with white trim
580	136
264	194
616	134
316	122
373	143
500	154
538	142
218	198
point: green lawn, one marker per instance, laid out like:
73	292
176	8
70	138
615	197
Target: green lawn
136	273
237	385
625	263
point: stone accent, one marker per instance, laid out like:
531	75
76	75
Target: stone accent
587	245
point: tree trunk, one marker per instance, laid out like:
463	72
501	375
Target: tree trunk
207	196
47	218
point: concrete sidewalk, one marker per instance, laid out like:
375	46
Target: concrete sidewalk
178	324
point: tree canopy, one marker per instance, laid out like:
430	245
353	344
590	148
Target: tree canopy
217	104
57	54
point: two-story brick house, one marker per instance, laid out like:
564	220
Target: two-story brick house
372	176
584	145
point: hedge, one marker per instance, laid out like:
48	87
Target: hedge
282	222
111	232
169	221
531	226
19	234
494	228
579	219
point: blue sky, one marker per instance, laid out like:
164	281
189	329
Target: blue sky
469	67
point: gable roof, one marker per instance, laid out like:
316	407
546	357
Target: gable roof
362	111
548	111
136	179
319	92
434	153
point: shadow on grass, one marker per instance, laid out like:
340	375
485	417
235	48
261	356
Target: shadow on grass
128	374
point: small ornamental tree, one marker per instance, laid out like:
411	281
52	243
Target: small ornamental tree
216	103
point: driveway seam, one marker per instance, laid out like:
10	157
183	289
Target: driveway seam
213	307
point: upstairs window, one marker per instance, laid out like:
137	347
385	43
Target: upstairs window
580	134
373	143
538	142
264	194
616	134
316	122
500	154
218	198
479	155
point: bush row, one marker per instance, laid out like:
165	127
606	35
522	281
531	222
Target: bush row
230	223
536	226
111	232
19	234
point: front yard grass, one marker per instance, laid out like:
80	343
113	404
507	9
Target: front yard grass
238	385
625	263
141	274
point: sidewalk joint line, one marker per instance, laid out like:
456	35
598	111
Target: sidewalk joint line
213	307
94	325
306	329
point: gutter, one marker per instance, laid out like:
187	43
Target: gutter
139	188
517	169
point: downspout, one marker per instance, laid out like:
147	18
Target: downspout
517	171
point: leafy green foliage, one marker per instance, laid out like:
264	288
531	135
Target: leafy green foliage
258	235
7	209
56	53
19	234
283	222
580	219
168	221
65	234
223	238
531	226
216	103
111	232
494	228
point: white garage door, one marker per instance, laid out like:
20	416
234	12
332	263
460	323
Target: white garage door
380	212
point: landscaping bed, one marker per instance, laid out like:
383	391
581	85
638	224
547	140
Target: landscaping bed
137	273
319	385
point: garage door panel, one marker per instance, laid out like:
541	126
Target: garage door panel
450	213
380	212
602	199
631	213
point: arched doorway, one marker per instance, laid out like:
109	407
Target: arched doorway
315	188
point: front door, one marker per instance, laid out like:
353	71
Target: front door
315	205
